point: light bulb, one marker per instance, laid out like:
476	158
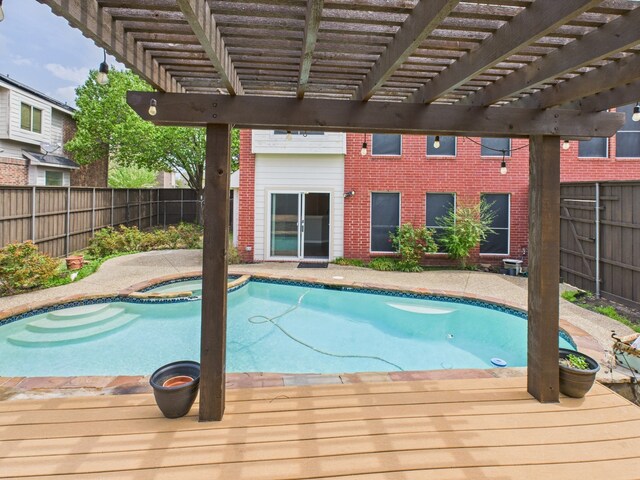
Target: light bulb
289	136
436	142
1	12
153	107
103	74
363	150
565	145
636	113
503	168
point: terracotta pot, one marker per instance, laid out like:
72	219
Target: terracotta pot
177	381
175	387
75	262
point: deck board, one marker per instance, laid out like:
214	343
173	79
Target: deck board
481	428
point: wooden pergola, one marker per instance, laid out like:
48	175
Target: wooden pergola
543	69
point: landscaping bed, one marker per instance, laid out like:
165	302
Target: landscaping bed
623	313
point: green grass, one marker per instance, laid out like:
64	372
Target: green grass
64	276
576	296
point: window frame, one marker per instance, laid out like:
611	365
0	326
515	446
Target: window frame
426	210
500	228
622	130
46	177
371	194
32	110
455	147
497	154
302	133
607	145
373	136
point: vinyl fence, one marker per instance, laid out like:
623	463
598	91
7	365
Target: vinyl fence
600	238
61	220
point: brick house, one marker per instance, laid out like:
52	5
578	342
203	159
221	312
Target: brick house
33	128
305	195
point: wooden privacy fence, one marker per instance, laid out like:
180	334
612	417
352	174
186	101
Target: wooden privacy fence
61	220
600	238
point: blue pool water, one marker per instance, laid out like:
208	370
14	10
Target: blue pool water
271	328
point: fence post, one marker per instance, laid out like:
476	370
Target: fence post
127	213
139	209
597	275
150	208
181	204
93	211
33	214
164	209
157	206
112	200
68	223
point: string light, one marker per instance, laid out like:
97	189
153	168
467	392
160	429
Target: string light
289	136
1	12
103	71
565	145
636	112
153	107
436	142
503	165
363	150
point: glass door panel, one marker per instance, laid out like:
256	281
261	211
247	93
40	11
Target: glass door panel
285	227
316	225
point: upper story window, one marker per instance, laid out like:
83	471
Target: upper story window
441	146
593	148
493	147
30	118
628	137
386	144
304	133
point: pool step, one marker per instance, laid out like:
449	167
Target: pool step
53	323
77	312
51	338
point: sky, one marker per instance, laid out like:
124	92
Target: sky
41	50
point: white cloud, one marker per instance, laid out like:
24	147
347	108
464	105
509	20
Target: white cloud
66	94
76	75
21	61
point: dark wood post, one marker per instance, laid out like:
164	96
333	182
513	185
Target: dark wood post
544	267
214	273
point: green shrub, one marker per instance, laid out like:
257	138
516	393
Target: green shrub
104	242
349	262
23	267
384	264
190	235
412	243
464	229
233	256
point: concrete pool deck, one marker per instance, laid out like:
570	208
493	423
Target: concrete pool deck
125	274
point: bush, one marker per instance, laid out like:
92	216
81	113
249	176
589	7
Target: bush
233	256
412	243
464	229
384	264
350	262
23	267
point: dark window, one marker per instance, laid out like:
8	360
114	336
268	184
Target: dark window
498	242
386	144
53	178
385	219
492	147
438	205
304	133
593	148
447	147
628	137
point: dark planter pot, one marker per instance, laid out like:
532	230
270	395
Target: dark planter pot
574	382
175	387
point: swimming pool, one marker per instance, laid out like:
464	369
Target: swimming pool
272	327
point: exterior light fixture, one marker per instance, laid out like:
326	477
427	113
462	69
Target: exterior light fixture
350	193
503	167
1	12
565	145
363	150
153	107
436	142
103	71
636	111
289	136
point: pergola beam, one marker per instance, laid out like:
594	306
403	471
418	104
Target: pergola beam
354	116
542	17
311	29
198	15
97	24
614	37
423	19
613	98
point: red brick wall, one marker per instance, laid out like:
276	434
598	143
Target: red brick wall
247	198
13	171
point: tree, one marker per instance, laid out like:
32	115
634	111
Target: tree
108	127
131	177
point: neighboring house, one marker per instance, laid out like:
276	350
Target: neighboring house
315	196
33	128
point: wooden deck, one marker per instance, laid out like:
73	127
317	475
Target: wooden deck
453	429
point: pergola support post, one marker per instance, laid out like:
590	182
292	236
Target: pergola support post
214	273
544	268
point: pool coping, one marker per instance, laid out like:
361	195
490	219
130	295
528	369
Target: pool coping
18	387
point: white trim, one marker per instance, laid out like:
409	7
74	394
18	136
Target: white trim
508	227
386	154
507	155
455	148
608	155
371	212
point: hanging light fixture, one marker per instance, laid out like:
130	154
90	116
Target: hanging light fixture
153	107
503	165
636	111
1	12
436	142
363	150
103	71
289	136
565	145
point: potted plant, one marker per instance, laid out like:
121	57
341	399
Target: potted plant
577	373
75	262
175	387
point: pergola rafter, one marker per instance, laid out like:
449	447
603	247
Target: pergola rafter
311	28
613	98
